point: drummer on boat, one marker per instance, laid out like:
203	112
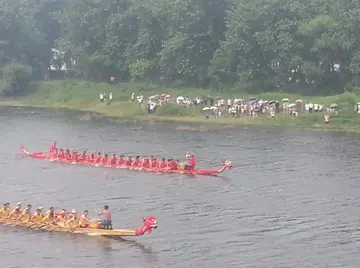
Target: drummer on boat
53	147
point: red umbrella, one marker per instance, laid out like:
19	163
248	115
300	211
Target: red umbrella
163	95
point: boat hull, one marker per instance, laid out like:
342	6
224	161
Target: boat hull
44	156
149	223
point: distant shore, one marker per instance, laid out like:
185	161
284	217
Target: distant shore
84	97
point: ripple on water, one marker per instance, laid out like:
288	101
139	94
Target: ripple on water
290	201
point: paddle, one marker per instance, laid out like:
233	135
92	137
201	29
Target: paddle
31	225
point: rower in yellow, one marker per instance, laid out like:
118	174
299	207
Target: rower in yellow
16	211
5	211
49	216
26	214
61	218
38	216
84	219
72	220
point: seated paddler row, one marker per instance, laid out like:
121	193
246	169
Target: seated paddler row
122	160
51	217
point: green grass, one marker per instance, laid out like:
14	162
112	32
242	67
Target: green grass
84	96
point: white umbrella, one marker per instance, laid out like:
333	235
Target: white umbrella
206	109
180	98
213	108
291	105
151	97
285	99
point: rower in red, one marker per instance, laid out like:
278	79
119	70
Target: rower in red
113	160
121	161
154	163
129	162
136	163
146	163
98	159
192	163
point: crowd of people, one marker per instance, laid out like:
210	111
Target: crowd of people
62	218
235	107
105	99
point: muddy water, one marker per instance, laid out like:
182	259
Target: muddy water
292	199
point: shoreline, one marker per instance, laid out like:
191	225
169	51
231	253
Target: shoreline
225	122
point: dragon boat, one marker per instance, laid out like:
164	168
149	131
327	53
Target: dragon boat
47	157
149	223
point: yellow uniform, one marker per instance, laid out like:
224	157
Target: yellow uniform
49	217
4	212
37	217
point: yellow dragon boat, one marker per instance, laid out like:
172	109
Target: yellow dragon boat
149	223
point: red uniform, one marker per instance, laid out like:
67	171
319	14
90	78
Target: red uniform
162	165
128	162
154	164
146	164
104	160
136	164
192	162
54	154
121	161
98	159
74	157
113	161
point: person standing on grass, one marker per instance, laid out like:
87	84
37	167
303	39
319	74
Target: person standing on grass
110	98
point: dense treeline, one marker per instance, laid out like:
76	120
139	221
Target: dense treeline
308	46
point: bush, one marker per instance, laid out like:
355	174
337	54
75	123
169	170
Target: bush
15	79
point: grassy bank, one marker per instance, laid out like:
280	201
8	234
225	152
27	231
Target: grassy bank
84	96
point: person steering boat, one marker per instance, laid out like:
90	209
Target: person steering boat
192	162
106	223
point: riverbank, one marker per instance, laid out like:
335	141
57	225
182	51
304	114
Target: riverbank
84	96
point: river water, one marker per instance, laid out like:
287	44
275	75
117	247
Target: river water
291	200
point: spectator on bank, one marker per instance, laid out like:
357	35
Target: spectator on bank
112	80
101	97
110	99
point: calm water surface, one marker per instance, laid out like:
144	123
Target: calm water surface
292	199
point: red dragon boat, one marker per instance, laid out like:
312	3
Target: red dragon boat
47	157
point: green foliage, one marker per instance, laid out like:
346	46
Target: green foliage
15	79
93	68
311	47
139	69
